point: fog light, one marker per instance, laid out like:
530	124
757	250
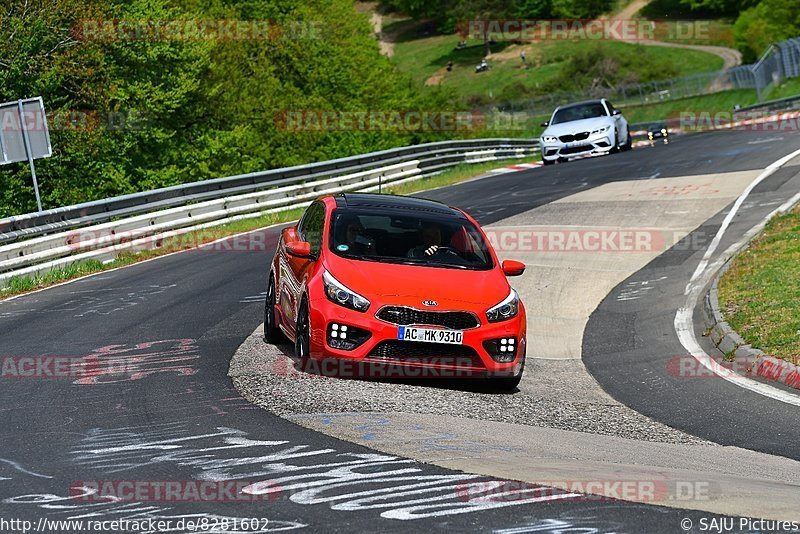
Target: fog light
344	337
502	350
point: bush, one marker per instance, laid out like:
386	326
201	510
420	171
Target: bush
209	105
768	22
580	9
597	67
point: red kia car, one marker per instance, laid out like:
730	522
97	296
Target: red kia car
382	280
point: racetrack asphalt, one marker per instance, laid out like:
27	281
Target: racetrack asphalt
173	324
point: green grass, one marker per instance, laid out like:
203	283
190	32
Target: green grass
790	87
19	285
722	101
508	79
760	293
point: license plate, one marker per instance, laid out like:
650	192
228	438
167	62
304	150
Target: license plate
430	335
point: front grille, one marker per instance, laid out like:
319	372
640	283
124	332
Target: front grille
575	149
427	353
401	315
576	137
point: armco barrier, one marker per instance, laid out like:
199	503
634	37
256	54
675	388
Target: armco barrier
101	229
429	155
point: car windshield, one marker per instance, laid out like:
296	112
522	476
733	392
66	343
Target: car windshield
579	112
415	239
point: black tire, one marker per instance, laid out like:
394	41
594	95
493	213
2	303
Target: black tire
302	342
506	383
548	162
628	143
615	148
272	334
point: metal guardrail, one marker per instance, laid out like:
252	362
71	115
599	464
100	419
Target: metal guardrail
32	224
39	242
782	104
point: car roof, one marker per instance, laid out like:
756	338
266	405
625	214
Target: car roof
369	200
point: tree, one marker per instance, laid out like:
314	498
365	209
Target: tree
768	22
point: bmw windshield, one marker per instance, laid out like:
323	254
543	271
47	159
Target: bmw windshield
579	112
414	239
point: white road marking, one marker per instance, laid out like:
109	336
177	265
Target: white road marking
703	274
18	467
767	140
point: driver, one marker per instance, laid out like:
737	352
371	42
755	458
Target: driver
356	238
431	236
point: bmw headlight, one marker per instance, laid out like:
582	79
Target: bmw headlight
549	138
506	309
601	130
339	294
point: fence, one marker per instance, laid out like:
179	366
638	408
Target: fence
780	61
35	243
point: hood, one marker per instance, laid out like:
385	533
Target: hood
573	127
411	284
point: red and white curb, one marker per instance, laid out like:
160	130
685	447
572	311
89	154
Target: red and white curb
517	167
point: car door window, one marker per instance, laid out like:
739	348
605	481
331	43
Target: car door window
310	228
610	108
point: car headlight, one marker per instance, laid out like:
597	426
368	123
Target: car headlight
506	309
339	294
549	138
601	130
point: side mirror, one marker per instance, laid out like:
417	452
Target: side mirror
298	249
513	267
545	124
617	112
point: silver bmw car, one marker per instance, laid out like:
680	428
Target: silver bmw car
584	128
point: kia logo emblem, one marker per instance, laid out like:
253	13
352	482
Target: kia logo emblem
430	302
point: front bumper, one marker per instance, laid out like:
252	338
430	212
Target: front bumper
597	144
383	353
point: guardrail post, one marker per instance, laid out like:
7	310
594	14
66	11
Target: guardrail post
29	153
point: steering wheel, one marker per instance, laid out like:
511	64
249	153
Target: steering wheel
447	250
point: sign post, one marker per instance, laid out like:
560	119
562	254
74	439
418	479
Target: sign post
24	135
